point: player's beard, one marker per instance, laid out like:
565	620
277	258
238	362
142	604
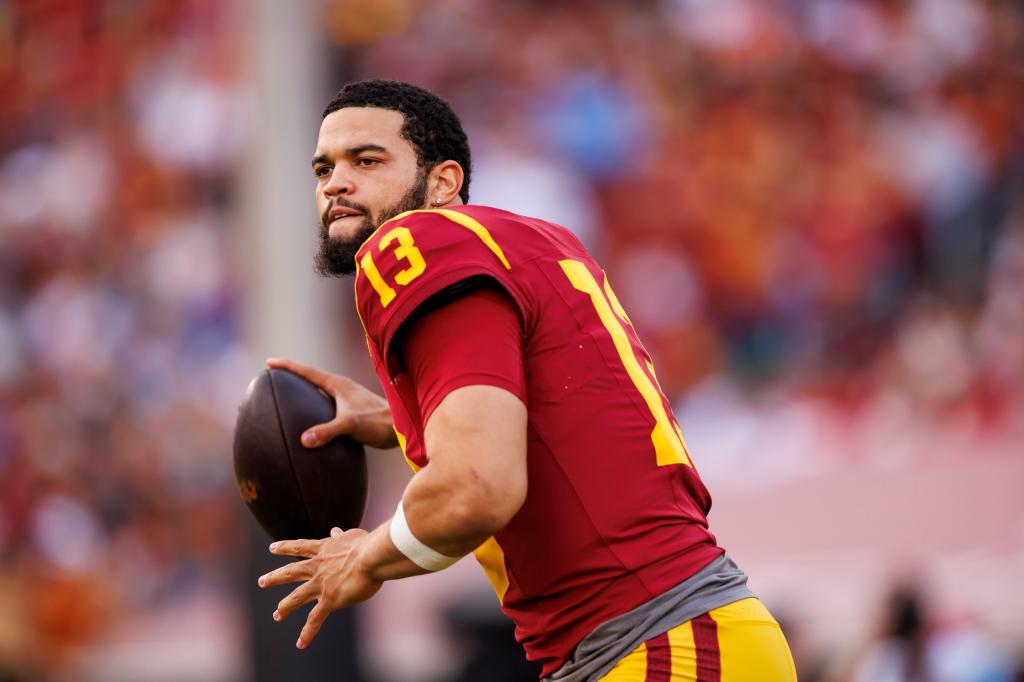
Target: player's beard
337	256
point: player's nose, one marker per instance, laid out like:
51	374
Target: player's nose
338	183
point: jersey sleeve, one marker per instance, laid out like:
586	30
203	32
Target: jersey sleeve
414	256
474	340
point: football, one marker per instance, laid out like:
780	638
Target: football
294	491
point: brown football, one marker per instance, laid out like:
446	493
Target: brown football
294	491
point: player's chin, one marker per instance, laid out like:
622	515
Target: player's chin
336	258
347	228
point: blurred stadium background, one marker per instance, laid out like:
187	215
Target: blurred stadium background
812	209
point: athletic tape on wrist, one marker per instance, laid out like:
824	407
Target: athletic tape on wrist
409	545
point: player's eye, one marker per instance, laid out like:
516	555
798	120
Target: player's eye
322	171
366	162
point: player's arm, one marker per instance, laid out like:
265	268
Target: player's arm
361	413
466	360
474	485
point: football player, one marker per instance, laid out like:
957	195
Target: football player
521	395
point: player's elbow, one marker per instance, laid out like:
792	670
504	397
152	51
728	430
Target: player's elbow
485	504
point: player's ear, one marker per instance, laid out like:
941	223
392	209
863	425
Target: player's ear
444	184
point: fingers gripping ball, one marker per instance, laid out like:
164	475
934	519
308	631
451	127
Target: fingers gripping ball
295	492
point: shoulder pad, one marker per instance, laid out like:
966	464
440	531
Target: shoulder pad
415	255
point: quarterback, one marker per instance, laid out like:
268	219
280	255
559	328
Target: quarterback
526	404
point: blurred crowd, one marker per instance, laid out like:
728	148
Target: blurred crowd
813	210
816	199
814	195
119	320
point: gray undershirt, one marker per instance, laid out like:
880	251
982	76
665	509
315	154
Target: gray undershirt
719	583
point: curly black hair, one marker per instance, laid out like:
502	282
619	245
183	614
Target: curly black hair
431	126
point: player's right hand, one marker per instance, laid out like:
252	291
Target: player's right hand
361	413
331	574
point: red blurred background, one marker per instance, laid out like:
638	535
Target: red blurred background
813	211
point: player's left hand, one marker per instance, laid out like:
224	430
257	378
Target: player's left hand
332	576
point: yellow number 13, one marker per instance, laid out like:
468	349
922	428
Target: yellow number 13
406	251
667	437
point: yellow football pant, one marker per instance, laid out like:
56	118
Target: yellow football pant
739	642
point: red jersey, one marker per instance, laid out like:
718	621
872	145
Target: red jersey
615	512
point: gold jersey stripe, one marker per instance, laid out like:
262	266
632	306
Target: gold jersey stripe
683	652
479	230
669	447
401	444
492	559
355	296
462	219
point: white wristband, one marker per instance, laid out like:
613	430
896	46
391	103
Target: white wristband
411	547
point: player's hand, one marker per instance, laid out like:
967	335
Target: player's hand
362	414
332	574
